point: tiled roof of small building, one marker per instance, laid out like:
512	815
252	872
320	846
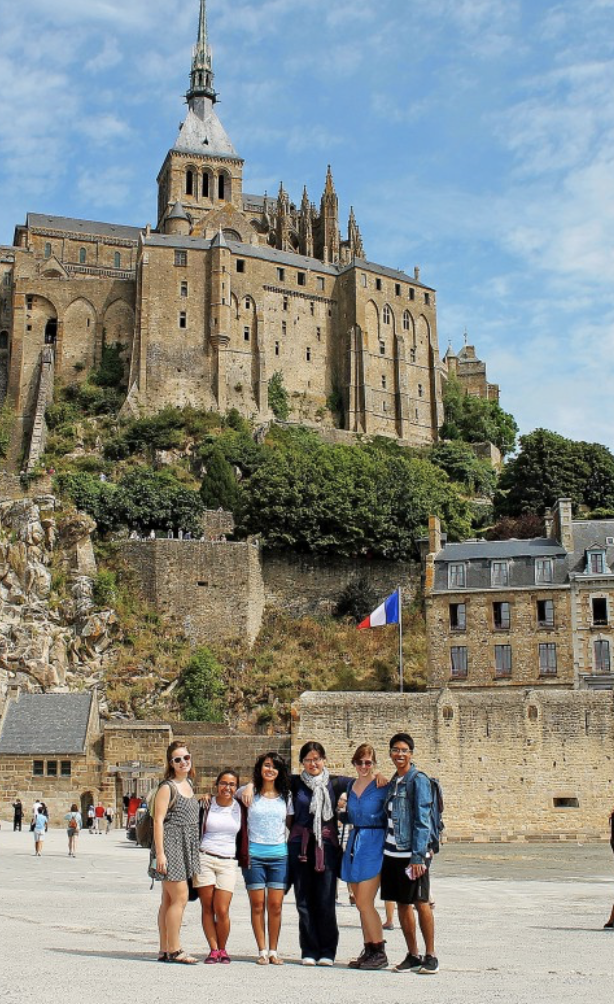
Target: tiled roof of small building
495	549
46	724
39	221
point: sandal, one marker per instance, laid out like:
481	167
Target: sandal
275	960
182	958
163	957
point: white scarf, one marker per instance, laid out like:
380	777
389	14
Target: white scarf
320	805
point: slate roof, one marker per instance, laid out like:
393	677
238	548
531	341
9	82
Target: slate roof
90	227
495	549
590	533
204	135
46	724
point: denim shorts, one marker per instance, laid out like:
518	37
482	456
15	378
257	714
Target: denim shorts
266	873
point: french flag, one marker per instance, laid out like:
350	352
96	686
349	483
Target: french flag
386	613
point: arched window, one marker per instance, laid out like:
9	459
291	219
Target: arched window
118	260
386	314
406	321
205	185
82	256
221	187
189	182
47	250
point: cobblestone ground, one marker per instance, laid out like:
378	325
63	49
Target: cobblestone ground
517	923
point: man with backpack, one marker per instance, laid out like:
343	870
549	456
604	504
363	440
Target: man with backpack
408	849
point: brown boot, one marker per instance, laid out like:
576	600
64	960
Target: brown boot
356	963
376	959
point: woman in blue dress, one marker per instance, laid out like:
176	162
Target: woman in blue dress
363	856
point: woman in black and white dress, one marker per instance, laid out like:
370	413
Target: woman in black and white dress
175	848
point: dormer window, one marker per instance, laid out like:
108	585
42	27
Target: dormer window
456	575
543	570
499	573
595	563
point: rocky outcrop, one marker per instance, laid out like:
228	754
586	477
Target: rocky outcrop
50	638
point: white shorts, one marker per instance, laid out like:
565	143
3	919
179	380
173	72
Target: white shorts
39	835
220	872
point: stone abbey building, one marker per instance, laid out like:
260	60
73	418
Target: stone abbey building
228	289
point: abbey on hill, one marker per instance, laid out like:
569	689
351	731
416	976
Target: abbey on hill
229	289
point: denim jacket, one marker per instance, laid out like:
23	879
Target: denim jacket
411	814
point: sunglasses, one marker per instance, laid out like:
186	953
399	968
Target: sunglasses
182	759
363	763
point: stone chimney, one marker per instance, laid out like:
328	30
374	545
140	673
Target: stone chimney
434	535
417	273
548	522
562	523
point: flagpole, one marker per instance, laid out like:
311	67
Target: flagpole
400	642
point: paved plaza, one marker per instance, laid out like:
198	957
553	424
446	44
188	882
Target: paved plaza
516	923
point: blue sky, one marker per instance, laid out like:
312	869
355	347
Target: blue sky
474	138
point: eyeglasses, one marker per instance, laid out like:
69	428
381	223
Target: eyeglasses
395	751
363	763
313	760
182	759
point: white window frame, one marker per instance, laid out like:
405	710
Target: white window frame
599	663
456	581
544	571
495	578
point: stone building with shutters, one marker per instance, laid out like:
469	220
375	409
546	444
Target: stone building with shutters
518	613
226	290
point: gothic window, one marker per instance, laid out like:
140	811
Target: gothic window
189	182
547	659
221	187
406	320
117	260
47	250
248	303
82	256
205	185
386	314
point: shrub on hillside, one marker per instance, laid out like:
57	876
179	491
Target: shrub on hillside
357	600
201	688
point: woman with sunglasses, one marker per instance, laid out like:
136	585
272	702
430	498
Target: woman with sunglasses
361	866
223	845
175	849
266	877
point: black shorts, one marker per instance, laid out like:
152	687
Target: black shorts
398	888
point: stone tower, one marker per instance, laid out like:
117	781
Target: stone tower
329	222
202	172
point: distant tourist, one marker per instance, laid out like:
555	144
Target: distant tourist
362	859
152	534
36	807
174	857
610	922
266	878
134	535
17	815
170	534
407	857
91	817
74	823
109	817
41	825
98	817
223	846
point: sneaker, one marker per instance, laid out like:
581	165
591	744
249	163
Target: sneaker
376	959
308	962
224	957
213	957
429	965
410	964
355	963
325	962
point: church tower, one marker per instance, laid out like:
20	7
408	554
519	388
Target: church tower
328	249
202	172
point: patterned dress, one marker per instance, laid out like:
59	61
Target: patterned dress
181	839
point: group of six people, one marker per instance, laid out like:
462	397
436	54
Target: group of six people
282	830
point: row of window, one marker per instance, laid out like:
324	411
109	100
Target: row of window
207	185
459	662
38	768
544	611
499	573
398	290
117	258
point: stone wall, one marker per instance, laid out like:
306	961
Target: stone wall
531	765
308	584
215	589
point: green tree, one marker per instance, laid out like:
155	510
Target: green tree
201	688
549	467
476	419
278	397
460	463
219	487
112	369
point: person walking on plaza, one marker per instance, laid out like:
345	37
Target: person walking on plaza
405	871
98	816
17	815
174	856
610	921
362	859
74	822
223	845
91	818
266	876
109	817
41	824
